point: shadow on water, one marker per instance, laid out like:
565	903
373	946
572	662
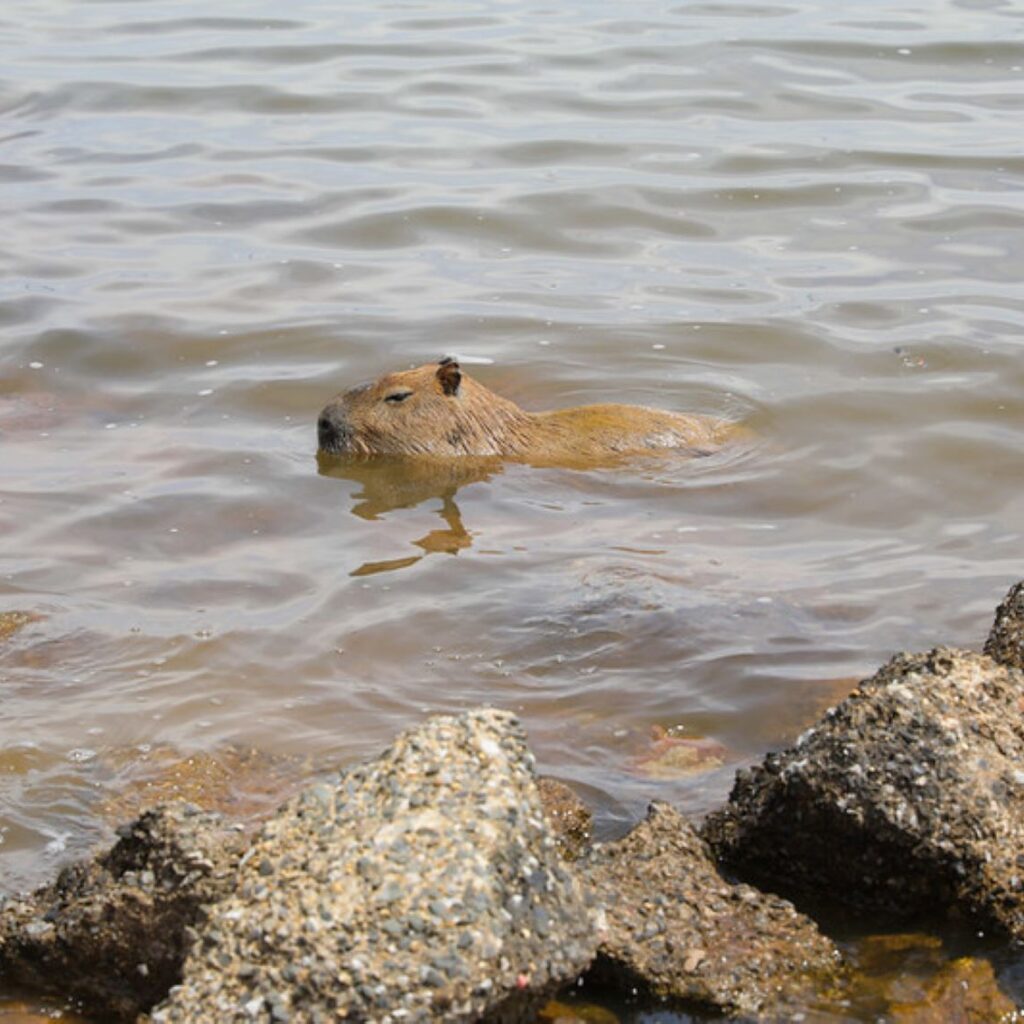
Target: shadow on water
390	483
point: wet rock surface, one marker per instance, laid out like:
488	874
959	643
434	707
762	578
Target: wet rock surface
424	886
114	932
675	928
906	797
1005	643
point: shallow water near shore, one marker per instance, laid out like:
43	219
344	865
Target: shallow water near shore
799	215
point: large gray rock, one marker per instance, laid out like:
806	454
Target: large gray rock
1005	643
426	886
113	932
908	796
675	928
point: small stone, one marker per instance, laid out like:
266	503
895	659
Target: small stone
694	958
389	892
432	977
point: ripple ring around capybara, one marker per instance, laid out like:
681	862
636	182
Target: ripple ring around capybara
438	410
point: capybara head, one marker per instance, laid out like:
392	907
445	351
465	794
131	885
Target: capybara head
432	409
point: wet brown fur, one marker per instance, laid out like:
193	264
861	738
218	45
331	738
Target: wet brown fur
447	413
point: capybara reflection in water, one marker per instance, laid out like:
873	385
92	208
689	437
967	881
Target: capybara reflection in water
438	410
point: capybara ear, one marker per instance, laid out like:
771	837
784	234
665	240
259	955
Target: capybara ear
449	376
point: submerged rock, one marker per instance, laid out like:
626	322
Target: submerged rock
1005	643
242	783
673	756
676	929
38	1010
557	1012
11	622
114	932
907	797
425	886
962	992
910	978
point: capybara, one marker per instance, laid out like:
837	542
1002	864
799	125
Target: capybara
436	409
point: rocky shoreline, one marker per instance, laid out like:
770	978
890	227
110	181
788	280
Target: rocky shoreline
444	882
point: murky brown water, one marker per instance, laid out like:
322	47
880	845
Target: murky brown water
804	215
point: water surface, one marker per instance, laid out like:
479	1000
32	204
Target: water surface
803	215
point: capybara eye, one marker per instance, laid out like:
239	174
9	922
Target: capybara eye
397	396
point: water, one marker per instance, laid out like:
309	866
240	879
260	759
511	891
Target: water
803	215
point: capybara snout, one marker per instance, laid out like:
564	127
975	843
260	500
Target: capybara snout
332	430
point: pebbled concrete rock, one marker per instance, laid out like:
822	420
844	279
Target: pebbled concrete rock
425	886
1005	642
675	928
114	932
906	797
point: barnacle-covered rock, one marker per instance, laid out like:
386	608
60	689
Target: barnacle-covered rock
908	796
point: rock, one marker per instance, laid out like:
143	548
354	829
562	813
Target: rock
1005	642
114	932
425	887
676	929
568	815
906	797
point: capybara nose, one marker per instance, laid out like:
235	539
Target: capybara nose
333	433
